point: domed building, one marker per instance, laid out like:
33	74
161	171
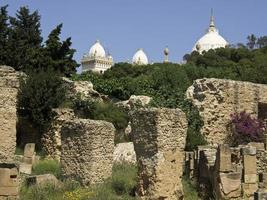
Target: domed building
96	60
211	40
140	58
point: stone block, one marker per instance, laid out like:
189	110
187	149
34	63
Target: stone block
87	150
260	195
25	168
29	150
258	145
29	160
41	179
9	191
249	150
159	136
250	178
8	175
224	159
249	164
248	189
230	185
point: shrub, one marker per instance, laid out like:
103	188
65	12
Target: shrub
40	92
124	178
190	189
47	167
245	128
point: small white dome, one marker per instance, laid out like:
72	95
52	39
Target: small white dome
211	40
140	58
97	50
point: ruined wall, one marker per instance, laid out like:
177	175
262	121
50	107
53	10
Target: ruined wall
9	84
216	99
51	140
87	150
230	172
159	136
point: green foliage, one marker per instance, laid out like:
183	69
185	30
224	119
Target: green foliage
47	167
120	186
190	189
38	94
21	44
102	111
124	178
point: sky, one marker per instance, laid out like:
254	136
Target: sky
123	26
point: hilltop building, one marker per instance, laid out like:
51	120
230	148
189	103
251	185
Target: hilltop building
140	58
211	40
96	60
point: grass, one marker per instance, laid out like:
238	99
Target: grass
120	186
190	190
47	167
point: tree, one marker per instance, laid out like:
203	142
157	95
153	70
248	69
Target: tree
4	31
251	41
59	54
262	42
40	92
24	39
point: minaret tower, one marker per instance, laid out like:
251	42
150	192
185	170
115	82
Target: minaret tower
212	23
166	55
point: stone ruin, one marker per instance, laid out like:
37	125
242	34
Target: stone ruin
9	83
230	172
216	99
159	136
87	150
51	140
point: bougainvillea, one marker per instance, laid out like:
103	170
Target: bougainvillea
246	128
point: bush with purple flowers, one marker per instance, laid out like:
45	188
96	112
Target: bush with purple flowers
246	129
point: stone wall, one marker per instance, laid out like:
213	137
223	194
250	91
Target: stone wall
51	140
230	172
159	140
87	150
9	83
216	99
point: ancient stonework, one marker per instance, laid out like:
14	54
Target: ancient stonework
51	140
87	150
231	172
9	83
159	136
124	153
216	99
82	88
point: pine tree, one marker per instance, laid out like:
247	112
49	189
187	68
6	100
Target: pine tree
4	31
59	53
25	39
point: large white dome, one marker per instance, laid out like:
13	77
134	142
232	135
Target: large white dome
211	40
140	58
97	50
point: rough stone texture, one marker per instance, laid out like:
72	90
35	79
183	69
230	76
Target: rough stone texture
124	153
9	83
216	99
231	172
52	139
134	101
9	181
87	150
82	88
159	140
42	179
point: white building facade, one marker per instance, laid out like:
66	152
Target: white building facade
96	60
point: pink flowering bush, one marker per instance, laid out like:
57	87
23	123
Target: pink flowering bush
246	129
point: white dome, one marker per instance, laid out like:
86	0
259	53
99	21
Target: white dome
211	40
97	50
140	58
